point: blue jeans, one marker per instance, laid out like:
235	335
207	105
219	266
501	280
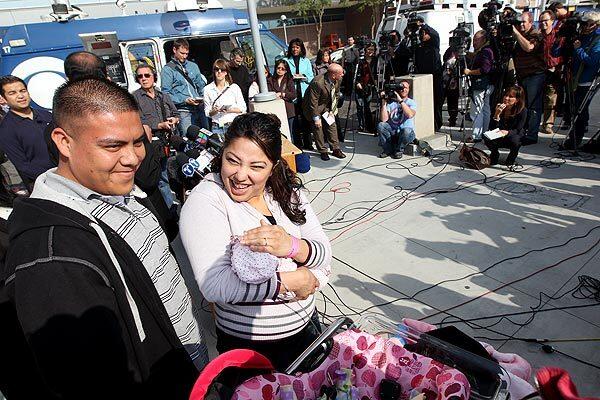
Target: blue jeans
194	116
480	111
393	141
163	184
534	88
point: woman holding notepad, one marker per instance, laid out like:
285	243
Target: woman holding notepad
507	126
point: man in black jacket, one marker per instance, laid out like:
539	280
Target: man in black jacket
239	72
428	61
88	273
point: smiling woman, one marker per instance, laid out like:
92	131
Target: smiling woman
253	210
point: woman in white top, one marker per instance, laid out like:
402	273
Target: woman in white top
255	197
223	100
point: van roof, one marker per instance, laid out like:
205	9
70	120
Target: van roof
45	36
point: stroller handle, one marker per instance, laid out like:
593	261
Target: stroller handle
331	331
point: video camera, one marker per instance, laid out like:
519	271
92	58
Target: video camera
385	41
460	40
390	90
414	30
499	25
570	28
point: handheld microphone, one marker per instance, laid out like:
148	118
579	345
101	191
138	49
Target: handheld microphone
197	165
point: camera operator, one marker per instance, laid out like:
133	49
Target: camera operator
553	70
585	66
482	86
351	57
530	67
397	126
428	61
400	55
365	84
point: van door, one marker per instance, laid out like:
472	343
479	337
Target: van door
272	50
136	52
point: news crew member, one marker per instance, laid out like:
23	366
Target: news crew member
428	61
553	70
509	117
397	126
586	63
482	86
530	67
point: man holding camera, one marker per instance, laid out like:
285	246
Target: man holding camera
585	67
428	61
159	113
397	126
530	67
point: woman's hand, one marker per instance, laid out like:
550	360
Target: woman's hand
499	108
272	239
301	281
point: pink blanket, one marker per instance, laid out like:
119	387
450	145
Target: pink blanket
372	359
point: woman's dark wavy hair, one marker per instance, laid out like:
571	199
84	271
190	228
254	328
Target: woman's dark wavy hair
321	54
300	43
265	131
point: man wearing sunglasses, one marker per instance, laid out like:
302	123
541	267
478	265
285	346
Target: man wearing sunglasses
158	112
530	67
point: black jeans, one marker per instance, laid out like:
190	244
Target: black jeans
280	352
512	141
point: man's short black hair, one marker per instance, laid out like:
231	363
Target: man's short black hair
83	64
7	80
81	98
236	52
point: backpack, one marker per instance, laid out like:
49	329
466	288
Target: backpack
474	158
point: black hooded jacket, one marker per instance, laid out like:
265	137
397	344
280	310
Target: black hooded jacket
72	334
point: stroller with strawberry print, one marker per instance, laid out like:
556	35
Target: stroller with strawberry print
374	353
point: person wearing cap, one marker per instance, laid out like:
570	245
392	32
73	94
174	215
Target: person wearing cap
585	66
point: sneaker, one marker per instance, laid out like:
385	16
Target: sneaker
383	154
325	157
397	155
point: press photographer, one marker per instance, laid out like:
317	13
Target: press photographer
397	126
482	86
585	69
425	44
530	67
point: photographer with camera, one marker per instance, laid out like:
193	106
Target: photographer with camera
427	60
482	86
365	86
158	112
530	67
584	69
397	126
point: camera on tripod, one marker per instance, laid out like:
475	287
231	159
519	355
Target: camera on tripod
499	25
414	30
361	43
570	28
460	40
390	89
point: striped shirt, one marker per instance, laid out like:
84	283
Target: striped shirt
140	229
244	310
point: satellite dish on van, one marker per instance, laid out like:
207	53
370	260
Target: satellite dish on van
192	5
